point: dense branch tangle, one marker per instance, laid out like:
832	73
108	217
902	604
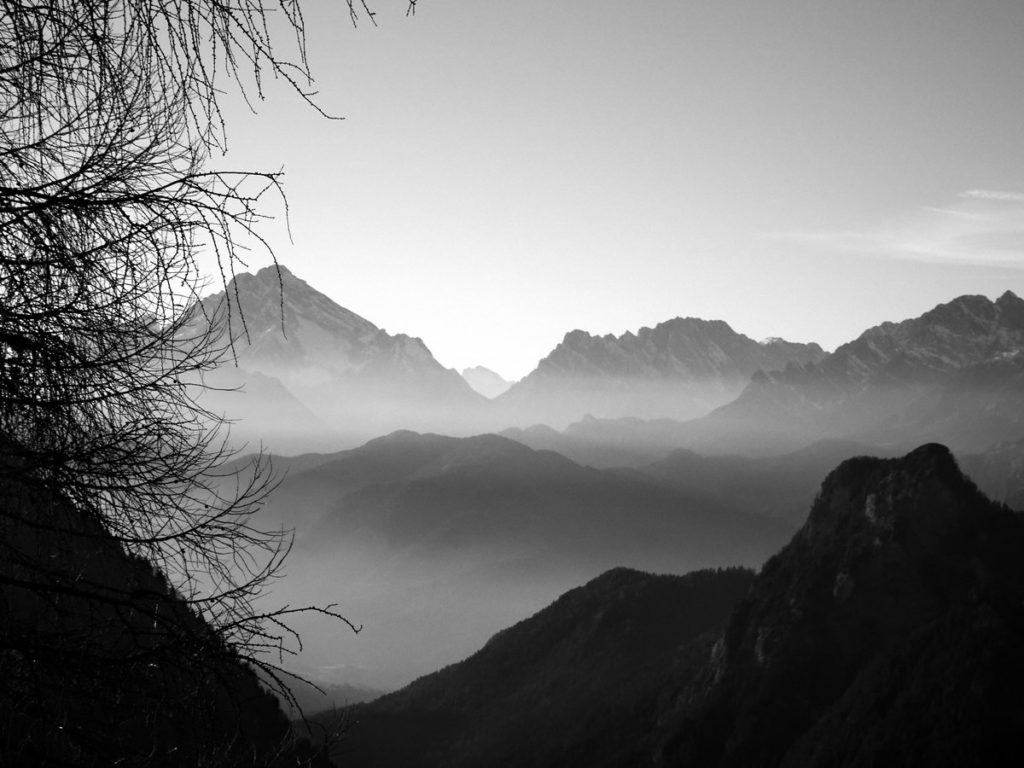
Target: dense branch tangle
108	119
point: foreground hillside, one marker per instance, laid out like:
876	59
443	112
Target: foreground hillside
103	664
889	631
538	692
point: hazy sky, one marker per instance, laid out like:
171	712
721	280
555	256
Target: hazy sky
509	171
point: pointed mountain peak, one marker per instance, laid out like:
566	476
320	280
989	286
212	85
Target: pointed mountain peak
270	290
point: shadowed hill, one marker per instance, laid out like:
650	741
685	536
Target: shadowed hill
103	664
540	688
889	631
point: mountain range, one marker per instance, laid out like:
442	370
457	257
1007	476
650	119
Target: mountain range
682	368
953	374
887	632
316	377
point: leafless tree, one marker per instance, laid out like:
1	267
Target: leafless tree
109	122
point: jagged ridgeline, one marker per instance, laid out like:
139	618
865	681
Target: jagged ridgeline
317	377
889	631
103	664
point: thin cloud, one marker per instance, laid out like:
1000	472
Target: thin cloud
979	228
988	194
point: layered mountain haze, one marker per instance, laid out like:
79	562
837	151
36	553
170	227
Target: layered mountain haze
887	632
434	543
310	375
682	368
485	381
355	379
953	374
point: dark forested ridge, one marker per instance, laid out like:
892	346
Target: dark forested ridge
551	689
889	631
103	664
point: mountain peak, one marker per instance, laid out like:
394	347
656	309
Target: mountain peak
909	500
273	271
485	381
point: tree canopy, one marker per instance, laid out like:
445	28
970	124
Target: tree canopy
109	127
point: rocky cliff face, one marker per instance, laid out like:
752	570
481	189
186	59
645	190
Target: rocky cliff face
681	368
887	632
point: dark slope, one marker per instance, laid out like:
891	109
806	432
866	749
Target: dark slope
888	632
103	664
541	691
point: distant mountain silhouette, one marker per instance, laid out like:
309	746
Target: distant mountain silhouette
436	542
953	374
682	368
889	631
485	381
355	379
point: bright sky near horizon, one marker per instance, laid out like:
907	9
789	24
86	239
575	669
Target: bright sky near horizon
509	171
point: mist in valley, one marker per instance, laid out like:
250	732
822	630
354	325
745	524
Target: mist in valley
459	515
607	388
